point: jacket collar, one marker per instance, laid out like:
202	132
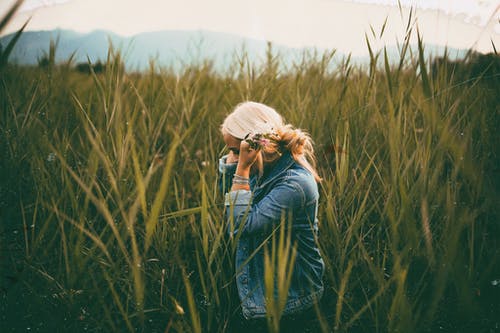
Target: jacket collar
284	163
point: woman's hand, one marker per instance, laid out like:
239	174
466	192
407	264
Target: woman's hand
246	159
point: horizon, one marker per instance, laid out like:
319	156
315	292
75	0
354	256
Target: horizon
323	24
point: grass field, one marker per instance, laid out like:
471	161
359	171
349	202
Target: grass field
111	220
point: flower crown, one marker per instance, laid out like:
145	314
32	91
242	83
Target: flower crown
259	140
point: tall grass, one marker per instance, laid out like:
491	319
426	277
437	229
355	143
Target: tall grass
111	179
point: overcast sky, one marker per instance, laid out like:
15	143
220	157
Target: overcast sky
339	24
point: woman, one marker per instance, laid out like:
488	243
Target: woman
269	180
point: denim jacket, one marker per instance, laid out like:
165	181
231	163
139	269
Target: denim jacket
287	187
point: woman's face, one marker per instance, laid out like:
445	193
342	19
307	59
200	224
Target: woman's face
232	144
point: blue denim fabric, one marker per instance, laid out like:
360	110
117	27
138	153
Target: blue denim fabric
287	188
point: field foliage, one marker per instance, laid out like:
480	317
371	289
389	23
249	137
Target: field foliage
111	219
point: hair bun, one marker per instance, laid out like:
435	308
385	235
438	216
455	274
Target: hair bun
294	139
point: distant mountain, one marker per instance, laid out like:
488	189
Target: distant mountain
167	48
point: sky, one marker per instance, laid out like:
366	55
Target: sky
339	24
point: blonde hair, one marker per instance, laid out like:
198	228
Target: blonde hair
249	118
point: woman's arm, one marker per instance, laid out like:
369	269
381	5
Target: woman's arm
227	168
248	218
287	196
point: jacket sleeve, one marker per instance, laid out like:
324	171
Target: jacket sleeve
226	173
247	218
